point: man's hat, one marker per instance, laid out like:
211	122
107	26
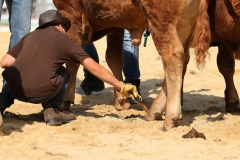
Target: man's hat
52	18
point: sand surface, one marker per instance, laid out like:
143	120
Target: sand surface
102	133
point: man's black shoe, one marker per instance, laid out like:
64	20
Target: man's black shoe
92	84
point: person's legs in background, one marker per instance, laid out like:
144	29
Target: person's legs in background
1	5
131	61
20	13
131	66
90	82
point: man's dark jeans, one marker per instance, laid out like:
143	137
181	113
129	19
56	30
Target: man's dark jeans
56	99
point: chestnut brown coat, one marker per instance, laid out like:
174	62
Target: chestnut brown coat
172	24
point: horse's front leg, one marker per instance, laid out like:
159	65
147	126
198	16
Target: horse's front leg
69	95
168	101
114	59
173	69
158	108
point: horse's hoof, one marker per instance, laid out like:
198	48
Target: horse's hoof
119	106
120	103
171	123
233	107
155	116
158	116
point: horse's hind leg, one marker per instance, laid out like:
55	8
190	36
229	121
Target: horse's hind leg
226	66
69	95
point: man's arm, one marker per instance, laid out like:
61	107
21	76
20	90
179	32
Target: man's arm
101	73
7	61
127	90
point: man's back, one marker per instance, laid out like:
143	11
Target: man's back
38	57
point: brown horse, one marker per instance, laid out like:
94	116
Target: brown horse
172	26
224	19
225	28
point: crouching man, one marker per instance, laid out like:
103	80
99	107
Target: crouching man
34	70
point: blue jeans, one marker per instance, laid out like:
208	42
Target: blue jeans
55	99
1	5
20	13
131	58
130	53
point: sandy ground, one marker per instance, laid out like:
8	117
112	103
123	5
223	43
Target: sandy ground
100	132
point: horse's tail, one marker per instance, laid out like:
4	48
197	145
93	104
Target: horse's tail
202	34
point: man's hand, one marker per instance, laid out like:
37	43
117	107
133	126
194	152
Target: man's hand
130	91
